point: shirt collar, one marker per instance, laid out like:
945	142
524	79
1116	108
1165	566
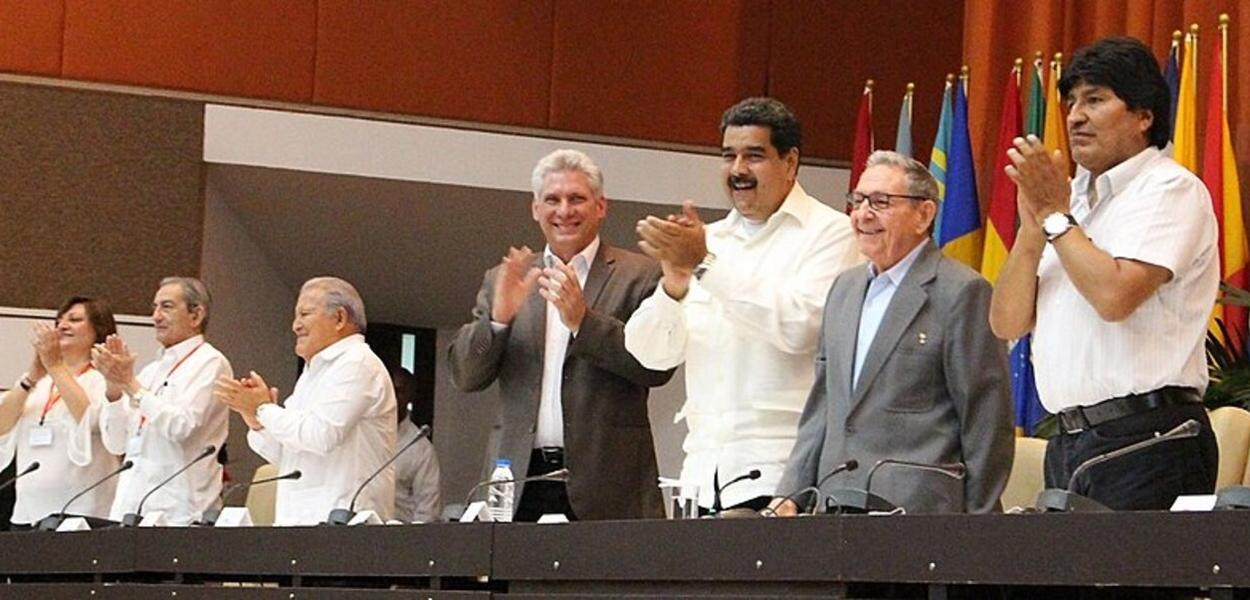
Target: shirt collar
586	256
180	350
797	205
336	349
896	273
1114	180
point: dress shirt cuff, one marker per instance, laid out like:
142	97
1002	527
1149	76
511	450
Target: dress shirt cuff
263	410
496	327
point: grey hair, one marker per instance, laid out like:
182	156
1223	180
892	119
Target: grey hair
340	294
567	160
194	293
920	181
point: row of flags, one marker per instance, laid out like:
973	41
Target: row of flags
983	244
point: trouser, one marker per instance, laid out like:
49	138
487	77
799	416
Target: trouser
544	497
1149	479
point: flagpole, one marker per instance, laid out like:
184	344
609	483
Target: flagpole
911	90
1193	48
1224	58
1016	69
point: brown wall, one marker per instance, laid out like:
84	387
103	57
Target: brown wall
660	70
99	193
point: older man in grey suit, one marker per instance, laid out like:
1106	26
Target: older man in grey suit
550	330
907	368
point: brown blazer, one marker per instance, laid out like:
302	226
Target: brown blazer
607	435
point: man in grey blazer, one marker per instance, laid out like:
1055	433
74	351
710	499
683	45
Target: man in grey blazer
907	367
550	329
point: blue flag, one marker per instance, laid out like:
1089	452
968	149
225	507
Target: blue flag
1029	411
1172	74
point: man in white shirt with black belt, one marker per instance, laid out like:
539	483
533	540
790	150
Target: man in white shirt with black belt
741	306
1116	276
338	426
166	416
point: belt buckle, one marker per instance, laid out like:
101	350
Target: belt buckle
552	454
1073	420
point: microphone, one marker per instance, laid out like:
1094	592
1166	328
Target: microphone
845	467
452	512
132	519
863	501
31	468
716	505
341	516
52	521
211	515
1057	500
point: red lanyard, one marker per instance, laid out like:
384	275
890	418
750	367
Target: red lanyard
55	395
170	374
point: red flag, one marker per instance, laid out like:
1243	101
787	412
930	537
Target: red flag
1219	173
1001	217
863	137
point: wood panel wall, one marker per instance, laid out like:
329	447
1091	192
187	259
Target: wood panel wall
100	194
660	70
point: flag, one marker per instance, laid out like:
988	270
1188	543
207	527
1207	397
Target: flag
941	147
1219	173
1171	74
1028	403
863	137
1055	129
961	236
1000	222
1035	119
902	141
1185	133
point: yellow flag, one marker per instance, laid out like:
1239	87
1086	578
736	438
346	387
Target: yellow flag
1185	135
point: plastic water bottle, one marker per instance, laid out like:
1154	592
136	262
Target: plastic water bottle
500	495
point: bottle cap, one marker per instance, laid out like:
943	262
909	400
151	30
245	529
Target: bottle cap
503	462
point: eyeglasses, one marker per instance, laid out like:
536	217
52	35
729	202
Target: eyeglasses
878	201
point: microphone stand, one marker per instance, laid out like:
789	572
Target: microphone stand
31	468
54	520
210	516
1057	500
342	516
133	519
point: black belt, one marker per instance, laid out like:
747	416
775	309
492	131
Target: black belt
1079	418
552	456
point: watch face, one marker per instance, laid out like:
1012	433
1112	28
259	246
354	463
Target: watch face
1055	224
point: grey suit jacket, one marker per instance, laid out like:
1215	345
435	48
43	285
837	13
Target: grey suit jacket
934	388
607	434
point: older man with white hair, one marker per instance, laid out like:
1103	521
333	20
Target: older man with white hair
165	417
338	426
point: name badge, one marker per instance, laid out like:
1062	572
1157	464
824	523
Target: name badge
134	446
40	436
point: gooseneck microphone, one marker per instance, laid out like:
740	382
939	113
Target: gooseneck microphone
31	468
1056	500
132	519
716	492
212	514
556	475
862	501
341	516
52	521
845	467
1188	429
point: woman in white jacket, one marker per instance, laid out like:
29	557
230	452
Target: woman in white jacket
52	416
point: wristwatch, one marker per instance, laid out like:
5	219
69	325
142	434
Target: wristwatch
1056	224
708	260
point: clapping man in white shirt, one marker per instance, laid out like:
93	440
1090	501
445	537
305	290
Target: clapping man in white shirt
165	417
338	426
740	305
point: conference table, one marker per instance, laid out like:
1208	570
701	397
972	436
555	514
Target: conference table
857	556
